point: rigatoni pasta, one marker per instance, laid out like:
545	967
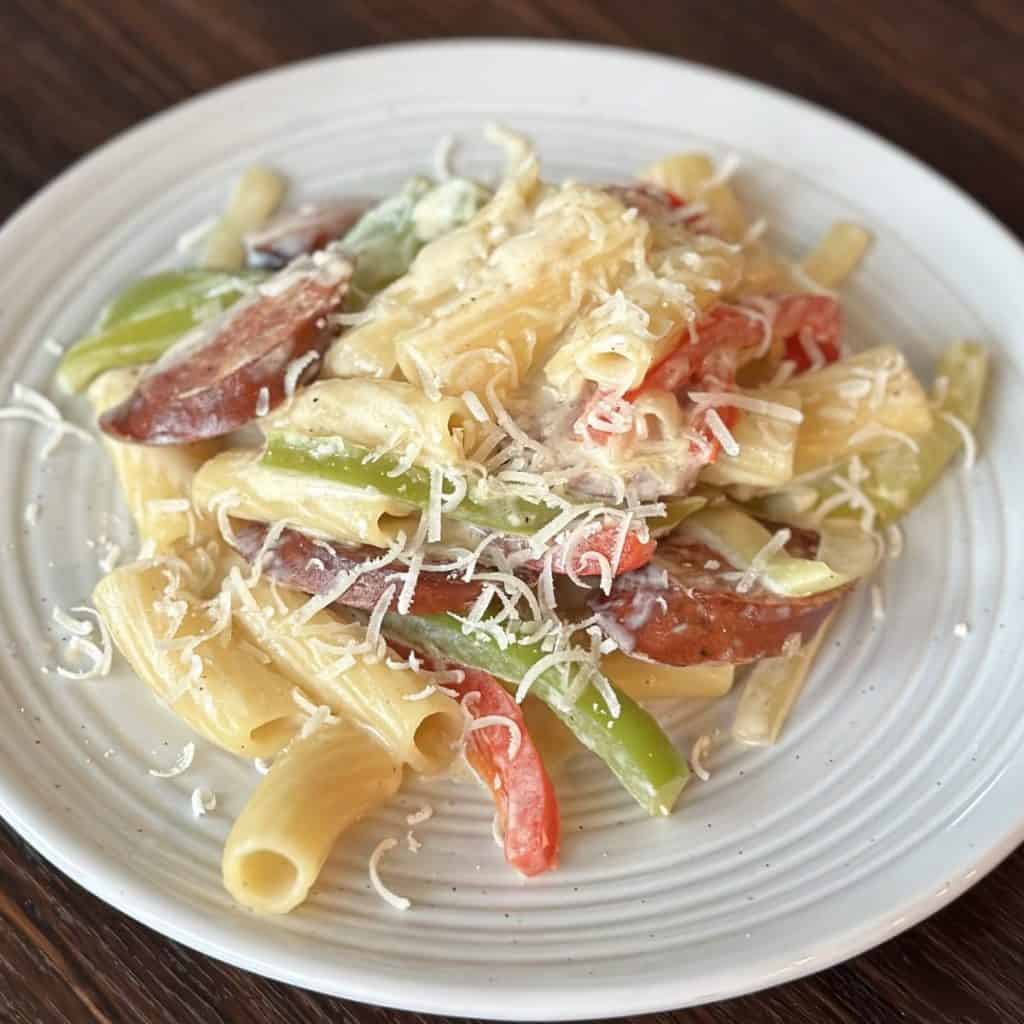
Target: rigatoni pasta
388	414
237	483
320	786
417	723
866	403
156	482
649	680
693	177
836	255
222	690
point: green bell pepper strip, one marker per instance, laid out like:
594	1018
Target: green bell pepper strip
174	289
898	478
343	462
633	745
676	511
741	539
146	319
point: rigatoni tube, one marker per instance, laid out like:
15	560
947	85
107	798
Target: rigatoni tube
235	700
320	786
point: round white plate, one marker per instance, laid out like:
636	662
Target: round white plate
897	782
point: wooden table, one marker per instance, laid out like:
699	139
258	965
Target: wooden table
944	80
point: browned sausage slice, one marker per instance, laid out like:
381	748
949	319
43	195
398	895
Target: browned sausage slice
225	373
314	565
302	231
683	609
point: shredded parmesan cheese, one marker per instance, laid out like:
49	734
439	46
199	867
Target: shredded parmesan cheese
722	434
541	665
203	802
773	410
873	429
775	544
700	749
295	370
515	736
894	541
786	370
430	383
970	445
837	414
100	657
877	603
425	813
32	407
442	158
428	691
221	505
477	408
603	565
109	559
408	591
343	581
317	715
812	349
76	627
373	637
392	898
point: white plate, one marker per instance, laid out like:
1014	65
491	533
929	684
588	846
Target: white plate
897	782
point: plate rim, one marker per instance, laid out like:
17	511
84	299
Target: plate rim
128	892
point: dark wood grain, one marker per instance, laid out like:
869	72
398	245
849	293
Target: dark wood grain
944	80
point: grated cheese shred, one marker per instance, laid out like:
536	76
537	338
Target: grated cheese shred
389	897
30	406
877	603
203	801
698	752
967	435
757	565
515	735
425	813
295	370
722	434
100	657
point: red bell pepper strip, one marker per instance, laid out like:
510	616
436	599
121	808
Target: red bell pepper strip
807	323
524	797
703	359
635	553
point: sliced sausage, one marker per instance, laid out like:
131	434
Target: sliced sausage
225	373
315	565
684	609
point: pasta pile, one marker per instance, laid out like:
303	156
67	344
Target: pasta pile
524	460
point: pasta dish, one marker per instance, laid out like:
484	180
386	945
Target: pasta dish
463	479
